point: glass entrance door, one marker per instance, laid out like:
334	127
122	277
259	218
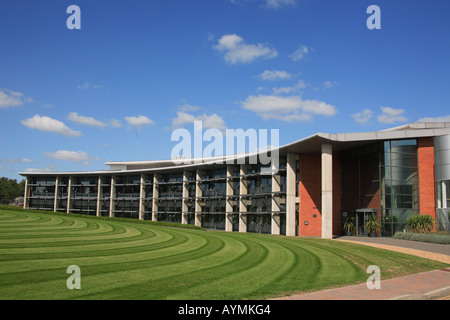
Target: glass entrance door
362	216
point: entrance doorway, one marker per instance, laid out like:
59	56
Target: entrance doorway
362	216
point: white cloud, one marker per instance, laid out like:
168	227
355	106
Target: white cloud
275	4
48	124
139	121
88	85
212	121
14	160
435	119
289	109
300	53
284	90
49	169
329	84
391	115
274	75
75	117
363	117
115	123
235	50
75	156
9	98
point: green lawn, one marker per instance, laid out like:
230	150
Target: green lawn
127	260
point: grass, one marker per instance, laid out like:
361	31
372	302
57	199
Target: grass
131	260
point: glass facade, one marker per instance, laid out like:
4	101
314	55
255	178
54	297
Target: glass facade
399	185
443	205
382	177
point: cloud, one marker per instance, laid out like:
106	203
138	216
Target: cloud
48	169
391	115
115	123
14	160
50	125
329	84
285	90
235	50
9	98
363	117
212	121
275	4
74	156
75	117
139	121
435	119
288	109
300	53
88	85
274	75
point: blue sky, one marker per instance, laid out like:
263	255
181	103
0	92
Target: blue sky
116	89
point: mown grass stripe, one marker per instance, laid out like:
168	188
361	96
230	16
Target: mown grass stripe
123	259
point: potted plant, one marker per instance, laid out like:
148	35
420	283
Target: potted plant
349	224
372	225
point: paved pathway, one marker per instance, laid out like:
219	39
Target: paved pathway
428	285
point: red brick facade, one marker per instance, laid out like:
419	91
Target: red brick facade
427	194
310	188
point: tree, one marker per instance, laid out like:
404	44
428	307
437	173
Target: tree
11	189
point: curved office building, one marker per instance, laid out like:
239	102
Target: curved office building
319	180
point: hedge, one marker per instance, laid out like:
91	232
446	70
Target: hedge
424	237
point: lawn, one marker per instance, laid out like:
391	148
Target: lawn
129	260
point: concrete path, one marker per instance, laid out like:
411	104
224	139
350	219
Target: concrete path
422	286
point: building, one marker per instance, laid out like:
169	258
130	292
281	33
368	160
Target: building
391	174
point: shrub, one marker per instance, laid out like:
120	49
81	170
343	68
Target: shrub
420	223
424	237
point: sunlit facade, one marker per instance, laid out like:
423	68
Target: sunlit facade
320	180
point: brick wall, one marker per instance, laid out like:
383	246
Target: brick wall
427	195
310	195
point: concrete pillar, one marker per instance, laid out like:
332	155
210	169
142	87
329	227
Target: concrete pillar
69	195
327	191
276	187
99	196
55	205
141	197
198	195
290	193
26	201
155	197
243	189
444	195
228	199
185	196
112	203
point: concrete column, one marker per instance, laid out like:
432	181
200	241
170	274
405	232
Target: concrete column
69	195
198	195
155	197
141	197
55	206
112	204
185	196
99	196
276	187
444	194
243	189
26	202
228	199
327	191
290	193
